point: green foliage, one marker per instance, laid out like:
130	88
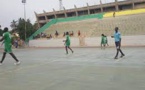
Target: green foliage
19	27
1	32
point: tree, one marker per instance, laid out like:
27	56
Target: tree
1	31
13	25
19	27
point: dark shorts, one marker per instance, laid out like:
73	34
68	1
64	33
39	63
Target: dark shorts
117	45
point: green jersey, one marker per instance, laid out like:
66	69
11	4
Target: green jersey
67	40
7	42
7	38
103	40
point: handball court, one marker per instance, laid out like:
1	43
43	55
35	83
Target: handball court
85	69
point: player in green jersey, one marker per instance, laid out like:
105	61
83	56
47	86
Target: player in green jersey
67	43
103	41
7	46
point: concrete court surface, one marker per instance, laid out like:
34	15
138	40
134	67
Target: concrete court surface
85	69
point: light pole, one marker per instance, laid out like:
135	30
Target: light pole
24	2
60	5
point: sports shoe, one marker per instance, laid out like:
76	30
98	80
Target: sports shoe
115	57
17	63
122	55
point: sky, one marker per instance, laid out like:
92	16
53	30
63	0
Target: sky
14	9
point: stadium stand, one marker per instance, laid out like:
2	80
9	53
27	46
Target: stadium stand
130	22
94	25
129	25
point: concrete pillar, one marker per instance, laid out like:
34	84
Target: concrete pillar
54	13
37	19
133	4
65	12
88	9
116	5
101	6
45	16
76	10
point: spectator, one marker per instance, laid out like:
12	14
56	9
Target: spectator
16	43
64	34
79	33
56	34
114	14
72	34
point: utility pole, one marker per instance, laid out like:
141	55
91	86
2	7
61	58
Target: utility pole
24	2
60	5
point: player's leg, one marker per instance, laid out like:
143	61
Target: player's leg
3	57
122	54
70	49
116	56
9	50
66	49
15	58
101	46
117	48
104	45
107	43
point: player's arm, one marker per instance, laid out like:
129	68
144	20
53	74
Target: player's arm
1	39
64	40
119	36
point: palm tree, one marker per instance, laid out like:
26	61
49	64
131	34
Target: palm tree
14	25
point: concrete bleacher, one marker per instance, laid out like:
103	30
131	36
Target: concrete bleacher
129	25
124	12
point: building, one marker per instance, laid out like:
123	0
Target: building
45	17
